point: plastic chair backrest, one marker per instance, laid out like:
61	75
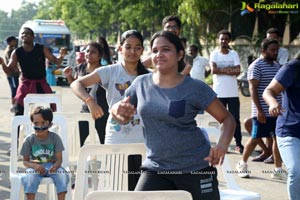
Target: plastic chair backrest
140	195
57	90
33	100
214	133
73	119
206	120
112	166
233	190
42	100
59	126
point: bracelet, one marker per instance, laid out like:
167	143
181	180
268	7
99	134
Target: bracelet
88	99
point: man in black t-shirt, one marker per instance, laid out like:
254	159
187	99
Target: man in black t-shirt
31	58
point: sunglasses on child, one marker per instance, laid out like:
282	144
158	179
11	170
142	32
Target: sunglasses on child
40	128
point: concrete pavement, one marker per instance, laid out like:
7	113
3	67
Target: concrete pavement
260	180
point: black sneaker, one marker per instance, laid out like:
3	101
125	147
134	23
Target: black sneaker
239	149
8	152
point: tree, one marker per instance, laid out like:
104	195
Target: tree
201	19
10	25
5	27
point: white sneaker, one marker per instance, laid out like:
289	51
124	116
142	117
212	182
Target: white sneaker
242	170
280	174
13	109
20	158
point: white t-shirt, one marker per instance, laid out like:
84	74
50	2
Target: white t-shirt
283	55
115	81
198	68
225	85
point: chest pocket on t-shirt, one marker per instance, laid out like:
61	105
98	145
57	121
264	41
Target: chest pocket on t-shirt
177	108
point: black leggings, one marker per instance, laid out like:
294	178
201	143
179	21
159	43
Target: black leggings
100	125
203	184
233	106
134	170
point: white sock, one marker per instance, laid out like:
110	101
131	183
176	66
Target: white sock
278	169
242	162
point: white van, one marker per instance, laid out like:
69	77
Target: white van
53	34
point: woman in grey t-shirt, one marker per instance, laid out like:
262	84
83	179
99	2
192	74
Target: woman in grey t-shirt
179	157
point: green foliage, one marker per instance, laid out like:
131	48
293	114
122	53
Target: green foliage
45	9
5	27
89	19
10	25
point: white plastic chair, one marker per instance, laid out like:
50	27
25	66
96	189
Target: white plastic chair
42	99
17	189
73	119
206	120
233	190
57	90
33	100
140	195
112	167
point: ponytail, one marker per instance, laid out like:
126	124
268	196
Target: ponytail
141	69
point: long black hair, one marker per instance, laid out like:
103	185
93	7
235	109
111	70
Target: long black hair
141	69
106	52
98	47
174	39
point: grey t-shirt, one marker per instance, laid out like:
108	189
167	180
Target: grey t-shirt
42	151
173	140
115	80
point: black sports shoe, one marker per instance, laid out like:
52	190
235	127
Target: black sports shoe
239	149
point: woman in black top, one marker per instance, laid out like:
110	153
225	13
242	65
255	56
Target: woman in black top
93	55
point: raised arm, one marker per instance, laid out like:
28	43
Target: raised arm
52	58
68	74
78	86
219	112
269	95
147	62
12	64
123	111
186	70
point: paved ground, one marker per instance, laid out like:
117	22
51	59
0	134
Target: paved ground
260	181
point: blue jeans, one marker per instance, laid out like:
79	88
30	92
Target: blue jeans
31	180
289	148
13	82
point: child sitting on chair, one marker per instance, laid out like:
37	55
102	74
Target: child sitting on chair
42	155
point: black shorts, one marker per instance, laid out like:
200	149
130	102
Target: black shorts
202	184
